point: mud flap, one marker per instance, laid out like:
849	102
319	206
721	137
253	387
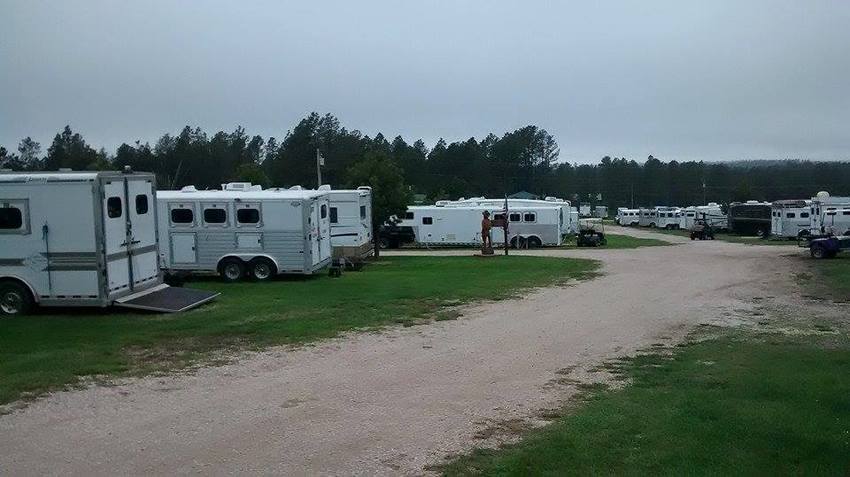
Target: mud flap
166	299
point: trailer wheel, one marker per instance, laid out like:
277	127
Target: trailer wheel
817	251
262	269
231	270
15	299
534	242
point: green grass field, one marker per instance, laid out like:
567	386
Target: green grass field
761	404
836	274
624	241
47	351
726	237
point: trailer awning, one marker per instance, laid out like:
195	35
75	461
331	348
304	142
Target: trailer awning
166	299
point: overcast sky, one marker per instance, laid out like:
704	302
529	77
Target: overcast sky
711	80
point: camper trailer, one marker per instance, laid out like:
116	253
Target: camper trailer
648	217
668	217
528	226
790	218
628	217
821	207
584	210
570	215
711	212
750	218
83	239
244	231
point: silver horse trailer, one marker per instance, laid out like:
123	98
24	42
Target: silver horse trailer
243	231
83	239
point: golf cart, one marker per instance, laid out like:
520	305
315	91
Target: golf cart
590	234
702	230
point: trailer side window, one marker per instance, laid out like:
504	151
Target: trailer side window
362	211
804	215
113	207
790	215
334	215
246	216
514	217
530	217
408	215
427	220
499	217
141	204
324	211
215	216
846	212
11	218
182	216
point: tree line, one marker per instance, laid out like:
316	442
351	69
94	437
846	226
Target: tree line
524	159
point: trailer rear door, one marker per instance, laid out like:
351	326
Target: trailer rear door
142	231
115	235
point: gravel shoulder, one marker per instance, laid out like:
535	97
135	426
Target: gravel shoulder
393	402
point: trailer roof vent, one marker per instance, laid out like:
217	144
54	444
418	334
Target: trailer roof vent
325	187
189	188
65	169
822	195
441	203
365	188
296	187
240	186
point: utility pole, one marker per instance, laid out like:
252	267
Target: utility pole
320	161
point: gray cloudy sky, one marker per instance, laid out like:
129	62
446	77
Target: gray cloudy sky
678	79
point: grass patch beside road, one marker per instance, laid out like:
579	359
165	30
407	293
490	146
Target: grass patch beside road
48	351
624	241
742	404
726	237
834	273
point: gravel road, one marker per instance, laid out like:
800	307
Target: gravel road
393	402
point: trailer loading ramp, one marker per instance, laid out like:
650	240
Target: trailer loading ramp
166	299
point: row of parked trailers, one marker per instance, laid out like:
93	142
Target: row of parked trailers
822	214
531	223
108	238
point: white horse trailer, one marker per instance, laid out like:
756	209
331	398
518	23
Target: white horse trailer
527	226
570	219
790	218
83	239
628	217
351	222
668	217
236	233
648	217
600	211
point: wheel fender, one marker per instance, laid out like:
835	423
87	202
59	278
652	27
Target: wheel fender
15	278
247	257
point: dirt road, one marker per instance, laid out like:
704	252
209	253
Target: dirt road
392	402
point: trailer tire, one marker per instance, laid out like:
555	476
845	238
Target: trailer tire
818	251
15	299
534	242
231	270
262	269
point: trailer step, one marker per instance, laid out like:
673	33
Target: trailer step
167	299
